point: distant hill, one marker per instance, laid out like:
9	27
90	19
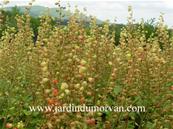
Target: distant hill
37	11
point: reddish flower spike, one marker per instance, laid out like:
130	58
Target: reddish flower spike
55	82
91	122
55	92
51	101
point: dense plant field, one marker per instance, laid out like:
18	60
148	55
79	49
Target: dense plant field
72	64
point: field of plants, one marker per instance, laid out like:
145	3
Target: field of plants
75	64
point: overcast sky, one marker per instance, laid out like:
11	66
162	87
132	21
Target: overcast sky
115	9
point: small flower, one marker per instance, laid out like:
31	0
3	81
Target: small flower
8	125
45	80
81	88
140	49
51	101
55	82
83	62
55	92
47	91
91	122
84	83
44	69
81	37
82	69
128	56
110	63
67	91
64	86
91	80
20	124
77	86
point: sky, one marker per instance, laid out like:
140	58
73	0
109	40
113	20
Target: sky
114	9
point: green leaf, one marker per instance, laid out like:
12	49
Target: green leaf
117	90
27	113
150	125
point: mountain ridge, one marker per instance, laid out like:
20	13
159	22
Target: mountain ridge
37	11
